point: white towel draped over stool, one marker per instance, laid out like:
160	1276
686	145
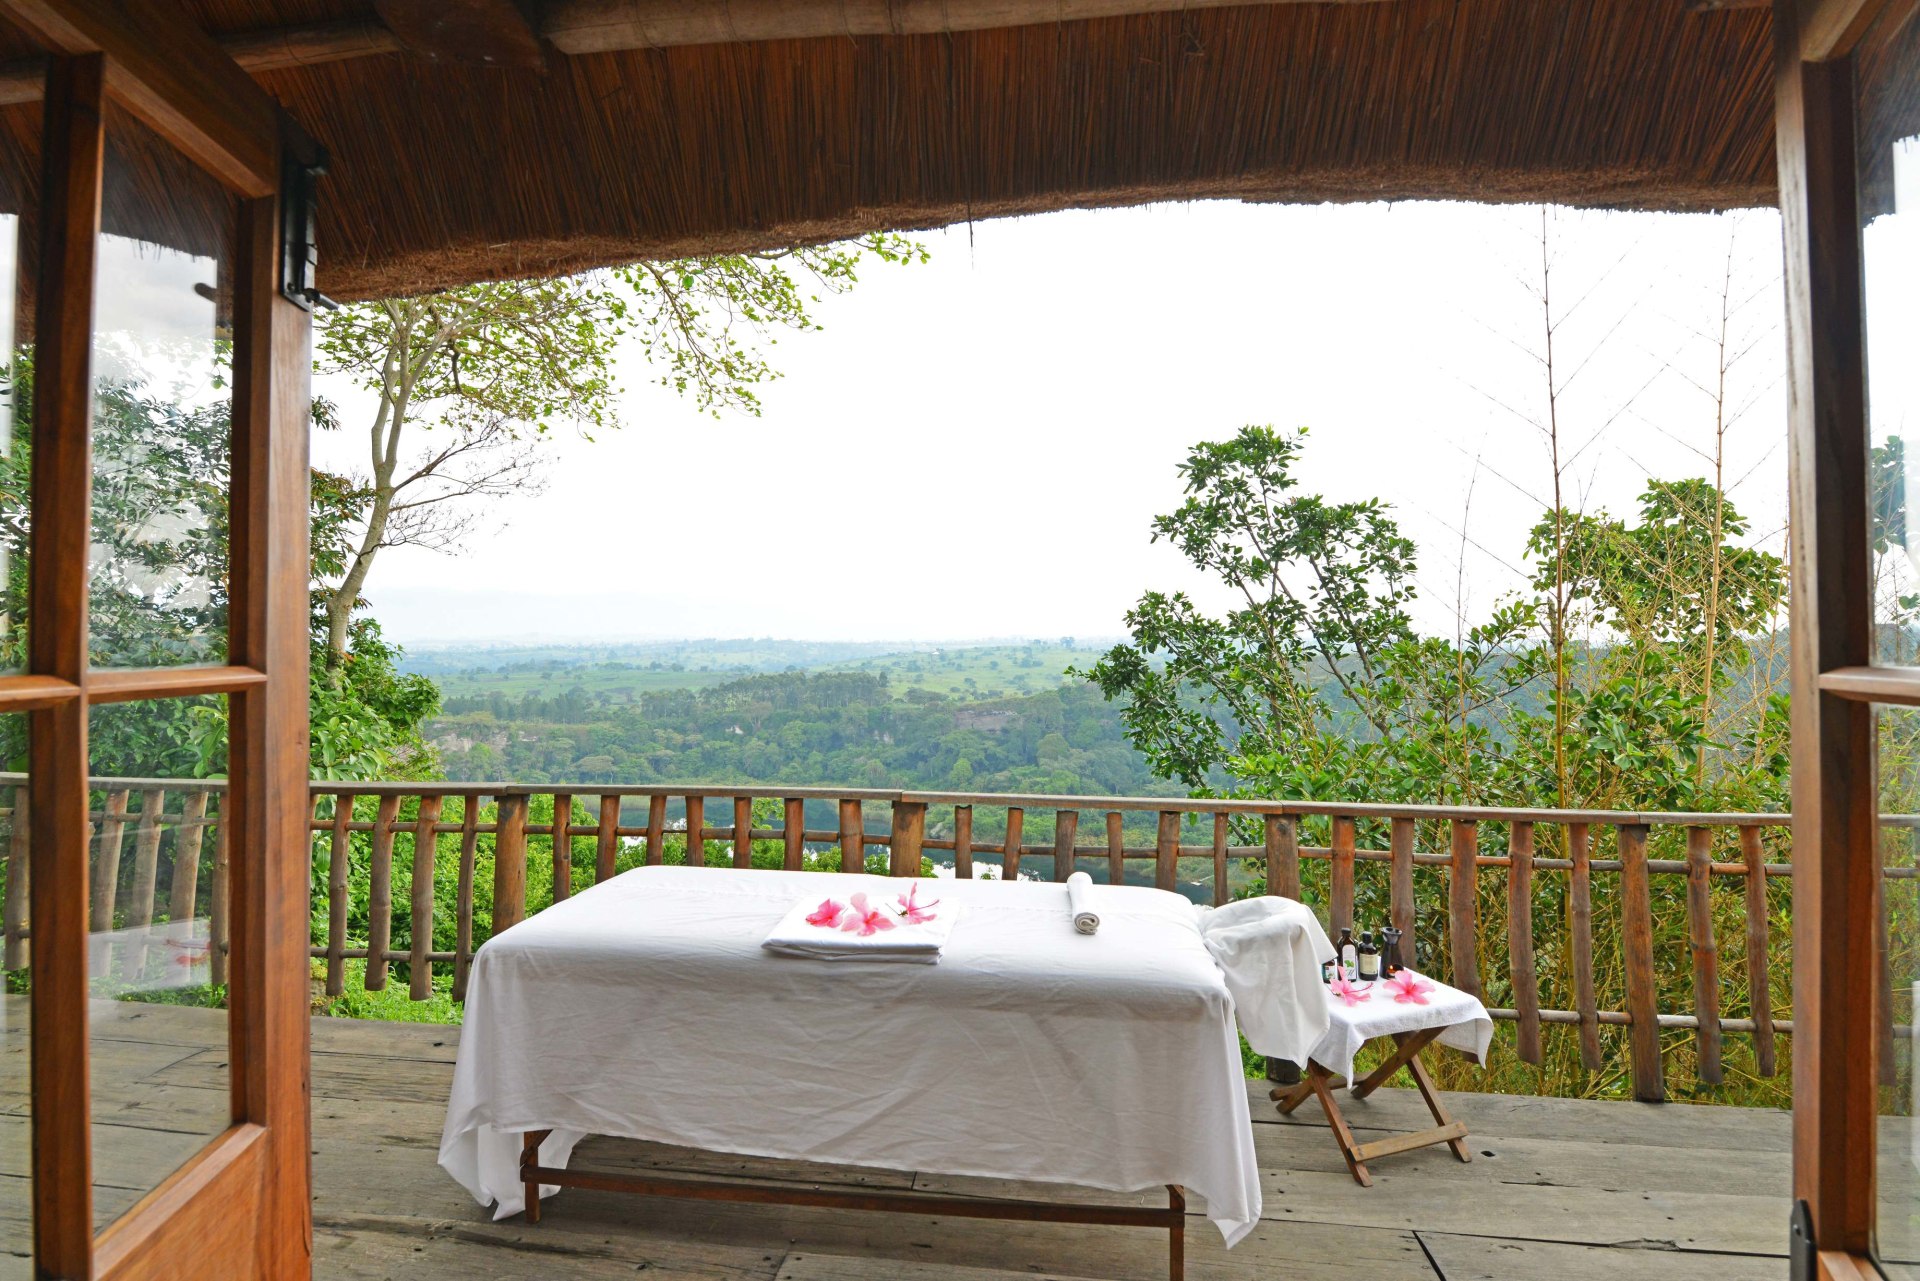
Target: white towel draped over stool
1270	950
1080	903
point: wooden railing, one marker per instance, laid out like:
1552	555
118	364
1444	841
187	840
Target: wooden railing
1469	885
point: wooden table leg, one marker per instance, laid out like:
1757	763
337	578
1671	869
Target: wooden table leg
1406	1047
530	1157
1440	1114
1177	1234
1317	1080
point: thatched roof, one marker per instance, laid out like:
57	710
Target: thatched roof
445	173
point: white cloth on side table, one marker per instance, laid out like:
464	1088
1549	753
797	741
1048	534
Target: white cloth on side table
914	942
1469	1028
1080	903
1270	950
645	1007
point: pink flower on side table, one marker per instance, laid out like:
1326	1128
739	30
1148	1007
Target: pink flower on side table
1409	988
1347	990
827	914
912	910
863	920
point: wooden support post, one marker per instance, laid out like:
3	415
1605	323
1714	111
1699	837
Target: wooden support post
339	853
463	924
1463	905
696	831
1220	829
1400	887
1520	958
1636	943
1704	951
420	915
1586	1002
795	834
1340	896
562	846
606	841
1759	941
909	831
1010	848
1066	830
963	842
1116	848
656	829
510	863
743	831
1283	856
380	893
853	837
1166	865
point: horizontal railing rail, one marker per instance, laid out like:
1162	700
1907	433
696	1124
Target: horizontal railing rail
1470	885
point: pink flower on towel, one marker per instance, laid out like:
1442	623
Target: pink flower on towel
1409	988
912	909
863	920
827	914
1347	990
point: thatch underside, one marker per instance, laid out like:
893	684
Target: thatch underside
445	174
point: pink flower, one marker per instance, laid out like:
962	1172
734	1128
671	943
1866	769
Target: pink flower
912	909
827	914
1350	992
1409	988
863	920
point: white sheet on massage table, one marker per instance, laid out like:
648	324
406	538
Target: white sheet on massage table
646	1008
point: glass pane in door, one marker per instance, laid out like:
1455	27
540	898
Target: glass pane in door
163	404
156	967
16	1102
1888	151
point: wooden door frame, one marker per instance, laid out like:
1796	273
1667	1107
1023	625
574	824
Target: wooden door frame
1837	901
241	1206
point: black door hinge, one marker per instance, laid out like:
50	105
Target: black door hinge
299	216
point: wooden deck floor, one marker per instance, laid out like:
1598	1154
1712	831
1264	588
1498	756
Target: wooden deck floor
1569	1190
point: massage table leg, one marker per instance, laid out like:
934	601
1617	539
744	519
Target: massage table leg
529	1157
1177	1234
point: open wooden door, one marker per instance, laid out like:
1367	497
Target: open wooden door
158	392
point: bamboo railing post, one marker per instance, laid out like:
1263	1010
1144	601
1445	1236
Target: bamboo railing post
963	842
146	857
1010	849
1759	926
219	916
183	892
853	837
463	922
1400	885
1636	941
1340	896
1883	967
743	831
1463	905
106	863
1116	848
1283	856
509	863
1704	951
562	846
16	901
1580	911
795	834
1219	859
1166	849
656	829
380	896
1520	959
909	836
606	841
696	831
420	919
1066	830
339	851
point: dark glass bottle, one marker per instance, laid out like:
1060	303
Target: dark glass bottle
1347	953
1369	957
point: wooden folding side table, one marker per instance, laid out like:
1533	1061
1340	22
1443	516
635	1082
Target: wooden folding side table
1320	1083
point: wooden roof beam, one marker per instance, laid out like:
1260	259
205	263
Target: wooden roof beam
486	33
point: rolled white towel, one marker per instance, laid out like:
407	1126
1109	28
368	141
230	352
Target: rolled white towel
1080	900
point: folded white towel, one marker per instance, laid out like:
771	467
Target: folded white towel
1080	901
1269	949
889	922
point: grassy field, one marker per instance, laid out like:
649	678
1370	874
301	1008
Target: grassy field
623	673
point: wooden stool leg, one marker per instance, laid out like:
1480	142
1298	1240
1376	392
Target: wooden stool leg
1432	1097
1177	1234
1406	1047
1317	1079
1290	1097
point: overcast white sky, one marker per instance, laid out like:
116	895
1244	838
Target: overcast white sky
975	447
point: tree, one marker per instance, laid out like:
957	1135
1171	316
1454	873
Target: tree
465	384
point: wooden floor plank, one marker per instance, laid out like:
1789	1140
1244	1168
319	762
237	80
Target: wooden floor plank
1466	1258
